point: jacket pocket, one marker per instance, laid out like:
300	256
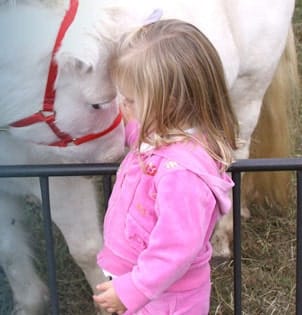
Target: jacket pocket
164	305
136	234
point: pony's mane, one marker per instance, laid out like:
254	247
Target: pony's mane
48	3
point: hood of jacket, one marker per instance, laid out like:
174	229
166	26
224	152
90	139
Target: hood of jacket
196	159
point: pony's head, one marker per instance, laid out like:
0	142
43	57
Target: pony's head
85	97
85	101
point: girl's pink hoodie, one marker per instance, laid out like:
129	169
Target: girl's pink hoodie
160	219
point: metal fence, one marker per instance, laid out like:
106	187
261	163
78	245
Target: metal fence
43	172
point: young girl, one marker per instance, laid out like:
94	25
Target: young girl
172	187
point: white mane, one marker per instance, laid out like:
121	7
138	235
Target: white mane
48	3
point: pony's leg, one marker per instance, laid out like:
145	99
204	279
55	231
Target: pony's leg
75	210
246	95
29	292
223	234
275	133
272	137
222	237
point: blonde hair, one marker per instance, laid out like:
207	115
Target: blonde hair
176	77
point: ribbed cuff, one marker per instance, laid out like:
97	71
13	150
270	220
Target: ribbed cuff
131	297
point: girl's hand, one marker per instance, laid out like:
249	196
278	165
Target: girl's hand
108	299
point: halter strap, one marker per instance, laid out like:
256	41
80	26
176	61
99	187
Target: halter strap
48	114
50	92
89	137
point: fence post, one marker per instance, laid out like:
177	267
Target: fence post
237	241
299	246
51	263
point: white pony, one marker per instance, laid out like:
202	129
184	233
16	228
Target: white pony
250	36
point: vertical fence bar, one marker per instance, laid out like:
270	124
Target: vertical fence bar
51	263
237	242
107	187
299	245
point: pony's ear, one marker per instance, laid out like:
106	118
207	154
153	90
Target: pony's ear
80	49
69	61
93	36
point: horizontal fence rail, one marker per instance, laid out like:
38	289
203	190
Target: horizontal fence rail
43	172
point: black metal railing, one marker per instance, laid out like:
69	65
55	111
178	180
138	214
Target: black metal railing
260	165
43	172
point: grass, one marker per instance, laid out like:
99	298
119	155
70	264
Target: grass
268	258
268	267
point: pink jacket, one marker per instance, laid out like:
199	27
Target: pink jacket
160	219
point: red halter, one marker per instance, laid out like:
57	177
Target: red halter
48	114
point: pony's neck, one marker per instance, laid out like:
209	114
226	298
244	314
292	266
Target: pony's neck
24	61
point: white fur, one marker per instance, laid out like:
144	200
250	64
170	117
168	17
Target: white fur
249	35
28	33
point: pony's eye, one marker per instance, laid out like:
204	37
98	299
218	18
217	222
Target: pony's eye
96	106
103	104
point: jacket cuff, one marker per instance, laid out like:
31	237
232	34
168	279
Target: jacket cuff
131	297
